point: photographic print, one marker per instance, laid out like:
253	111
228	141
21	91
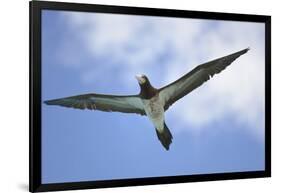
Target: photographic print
131	96
215	127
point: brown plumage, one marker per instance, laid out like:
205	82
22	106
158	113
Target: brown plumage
147	91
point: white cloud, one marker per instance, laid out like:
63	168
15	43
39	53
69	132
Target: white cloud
136	43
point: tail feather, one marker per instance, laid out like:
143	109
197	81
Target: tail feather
165	137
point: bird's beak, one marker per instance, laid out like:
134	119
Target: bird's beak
140	79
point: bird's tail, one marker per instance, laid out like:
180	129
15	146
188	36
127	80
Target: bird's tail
165	137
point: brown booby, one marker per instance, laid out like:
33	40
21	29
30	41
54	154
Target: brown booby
151	101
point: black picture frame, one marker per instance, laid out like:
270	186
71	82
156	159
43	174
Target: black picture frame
36	7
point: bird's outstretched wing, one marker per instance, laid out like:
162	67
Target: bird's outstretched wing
108	103
195	78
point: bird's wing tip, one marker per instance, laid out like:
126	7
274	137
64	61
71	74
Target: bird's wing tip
244	51
48	102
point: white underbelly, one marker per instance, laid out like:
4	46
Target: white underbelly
155	112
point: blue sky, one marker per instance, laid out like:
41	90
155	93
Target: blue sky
217	128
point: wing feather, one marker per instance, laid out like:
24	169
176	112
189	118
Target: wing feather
195	78
107	103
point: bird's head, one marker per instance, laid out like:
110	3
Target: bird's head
142	79
146	89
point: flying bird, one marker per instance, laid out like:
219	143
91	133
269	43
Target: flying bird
151	101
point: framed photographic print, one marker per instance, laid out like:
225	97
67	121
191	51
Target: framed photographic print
125	96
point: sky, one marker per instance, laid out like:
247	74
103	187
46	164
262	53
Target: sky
217	128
